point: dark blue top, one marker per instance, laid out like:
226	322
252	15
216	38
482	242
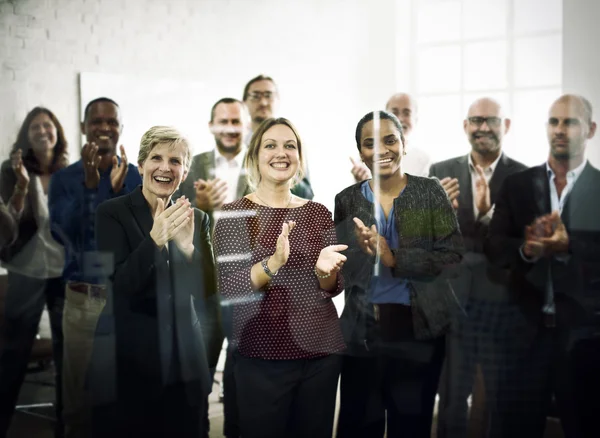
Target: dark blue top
72	217
385	288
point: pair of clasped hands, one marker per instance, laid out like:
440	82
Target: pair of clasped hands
545	237
372	243
330	260
175	223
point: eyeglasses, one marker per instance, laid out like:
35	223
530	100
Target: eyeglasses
492	122
258	95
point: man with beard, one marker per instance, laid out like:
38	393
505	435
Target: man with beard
416	161
476	342
545	233
74	195
217	177
261	96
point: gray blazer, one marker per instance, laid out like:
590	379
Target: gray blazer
430	251
203	166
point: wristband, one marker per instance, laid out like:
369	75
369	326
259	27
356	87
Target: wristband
265	267
19	190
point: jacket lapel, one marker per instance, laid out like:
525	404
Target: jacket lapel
500	173
465	198
541	191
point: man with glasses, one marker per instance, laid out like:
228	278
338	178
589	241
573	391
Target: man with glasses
261	96
475	342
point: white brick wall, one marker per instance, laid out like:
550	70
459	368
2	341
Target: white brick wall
318	51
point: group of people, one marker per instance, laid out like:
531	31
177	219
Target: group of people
471	271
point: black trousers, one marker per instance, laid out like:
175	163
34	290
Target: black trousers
25	300
400	381
286	398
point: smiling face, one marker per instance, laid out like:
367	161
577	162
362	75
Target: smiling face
405	108
381	151
486	126
278	155
262	100
42	134
163	170
103	126
228	126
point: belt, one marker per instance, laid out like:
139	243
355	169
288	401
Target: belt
91	290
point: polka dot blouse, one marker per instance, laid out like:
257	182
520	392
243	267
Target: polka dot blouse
291	317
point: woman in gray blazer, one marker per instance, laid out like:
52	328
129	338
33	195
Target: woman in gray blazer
33	259
404	242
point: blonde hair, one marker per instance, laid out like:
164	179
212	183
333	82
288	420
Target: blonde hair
251	160
164	135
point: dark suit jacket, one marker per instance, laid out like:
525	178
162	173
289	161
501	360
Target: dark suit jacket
478	278
473	231
430	249
576	279
156	298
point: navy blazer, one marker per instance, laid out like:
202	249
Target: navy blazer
164	308
430	250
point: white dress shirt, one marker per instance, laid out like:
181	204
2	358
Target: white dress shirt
229	170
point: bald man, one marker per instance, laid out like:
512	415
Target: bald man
545	234
416	161
472	182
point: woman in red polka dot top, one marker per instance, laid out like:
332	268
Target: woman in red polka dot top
278	264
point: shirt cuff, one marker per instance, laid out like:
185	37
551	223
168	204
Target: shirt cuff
486	218
14	213
525	258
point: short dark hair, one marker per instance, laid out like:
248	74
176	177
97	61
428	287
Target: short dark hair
59	157
92	102
256	79
383	115
226	100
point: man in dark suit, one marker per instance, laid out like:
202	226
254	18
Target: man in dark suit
472	183
546	231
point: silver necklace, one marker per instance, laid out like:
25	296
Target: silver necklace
268	205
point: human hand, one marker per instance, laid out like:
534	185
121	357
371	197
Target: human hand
360	172
91	161
452	188
211	194
169	222
482	192
20	170
282	250
119	171
330	260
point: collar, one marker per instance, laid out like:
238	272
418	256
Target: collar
491	168
238	159
573	173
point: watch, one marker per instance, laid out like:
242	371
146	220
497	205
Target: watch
265	267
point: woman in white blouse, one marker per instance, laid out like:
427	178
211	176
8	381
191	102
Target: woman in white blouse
34	260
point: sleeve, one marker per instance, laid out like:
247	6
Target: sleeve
330	238
132	268
504	239
233	256
210	311
8	228
447	246
66	208
357	263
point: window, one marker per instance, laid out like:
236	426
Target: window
464	49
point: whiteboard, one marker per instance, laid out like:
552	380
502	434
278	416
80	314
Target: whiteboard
150	101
